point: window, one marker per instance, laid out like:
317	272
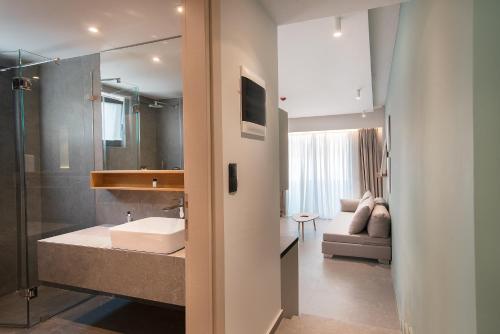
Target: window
323	168
113	120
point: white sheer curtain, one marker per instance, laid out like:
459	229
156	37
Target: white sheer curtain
323	168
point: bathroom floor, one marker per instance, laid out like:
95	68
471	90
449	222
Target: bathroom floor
105	315
49	301
348	290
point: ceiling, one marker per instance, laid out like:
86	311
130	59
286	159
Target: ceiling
135	66
56	28
319	74
291	11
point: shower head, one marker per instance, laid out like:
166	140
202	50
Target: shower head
157	105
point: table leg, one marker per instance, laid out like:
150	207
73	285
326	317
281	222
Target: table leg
314	223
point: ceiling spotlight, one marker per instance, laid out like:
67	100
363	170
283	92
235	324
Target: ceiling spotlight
180	9
363	114
156	59
36	77
93	30
337	32
358	94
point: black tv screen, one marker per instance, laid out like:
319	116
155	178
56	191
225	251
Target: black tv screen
253	102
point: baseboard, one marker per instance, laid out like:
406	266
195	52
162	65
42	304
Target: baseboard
276	322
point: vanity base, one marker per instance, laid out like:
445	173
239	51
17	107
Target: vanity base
85	259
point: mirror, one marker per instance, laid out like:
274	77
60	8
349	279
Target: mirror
141	106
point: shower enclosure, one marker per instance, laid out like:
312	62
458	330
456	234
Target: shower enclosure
46	155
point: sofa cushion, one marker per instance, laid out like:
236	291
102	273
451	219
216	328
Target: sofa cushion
367	194
349	205
338	231
361	215
379	224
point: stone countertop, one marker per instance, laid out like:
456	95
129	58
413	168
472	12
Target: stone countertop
96	237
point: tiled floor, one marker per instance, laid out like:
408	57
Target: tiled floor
310	324
348	290
106	315
340	295
13	307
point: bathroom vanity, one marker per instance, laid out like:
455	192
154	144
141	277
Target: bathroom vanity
138	161
85	260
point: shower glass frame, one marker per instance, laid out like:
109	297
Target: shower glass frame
29	302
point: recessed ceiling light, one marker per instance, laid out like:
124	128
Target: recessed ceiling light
363	114
180	9
36	77
93	30
337	32
156	59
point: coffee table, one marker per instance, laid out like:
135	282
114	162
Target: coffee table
304	217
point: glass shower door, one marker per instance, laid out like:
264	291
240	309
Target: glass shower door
46	155
13	271
58	155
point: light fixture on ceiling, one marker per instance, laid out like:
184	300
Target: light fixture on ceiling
337	32
180	9
156	59
93	30
363	114
358	94
36	77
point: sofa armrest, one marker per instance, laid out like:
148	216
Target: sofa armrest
349	205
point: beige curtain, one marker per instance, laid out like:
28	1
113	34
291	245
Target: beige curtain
370	158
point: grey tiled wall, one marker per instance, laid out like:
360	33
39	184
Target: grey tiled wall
112	206
170	133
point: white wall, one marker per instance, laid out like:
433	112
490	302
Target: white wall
431	106
383	22
337	122
248	221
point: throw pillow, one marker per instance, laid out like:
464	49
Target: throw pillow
361	216
367	194
349	205
379	224
381	201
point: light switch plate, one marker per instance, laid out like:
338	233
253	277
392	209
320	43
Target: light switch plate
29	163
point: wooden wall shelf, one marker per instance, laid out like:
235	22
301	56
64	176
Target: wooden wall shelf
139	180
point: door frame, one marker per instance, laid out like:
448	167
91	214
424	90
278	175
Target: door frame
198	166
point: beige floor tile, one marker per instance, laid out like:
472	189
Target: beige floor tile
350	290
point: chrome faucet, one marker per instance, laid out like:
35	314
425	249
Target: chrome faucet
179	206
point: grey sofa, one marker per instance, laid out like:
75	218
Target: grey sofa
338	241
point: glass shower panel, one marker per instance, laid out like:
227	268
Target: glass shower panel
13	307
58	158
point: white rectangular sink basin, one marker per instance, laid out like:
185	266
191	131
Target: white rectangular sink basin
153	234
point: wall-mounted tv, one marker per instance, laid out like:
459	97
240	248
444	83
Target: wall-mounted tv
253	104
